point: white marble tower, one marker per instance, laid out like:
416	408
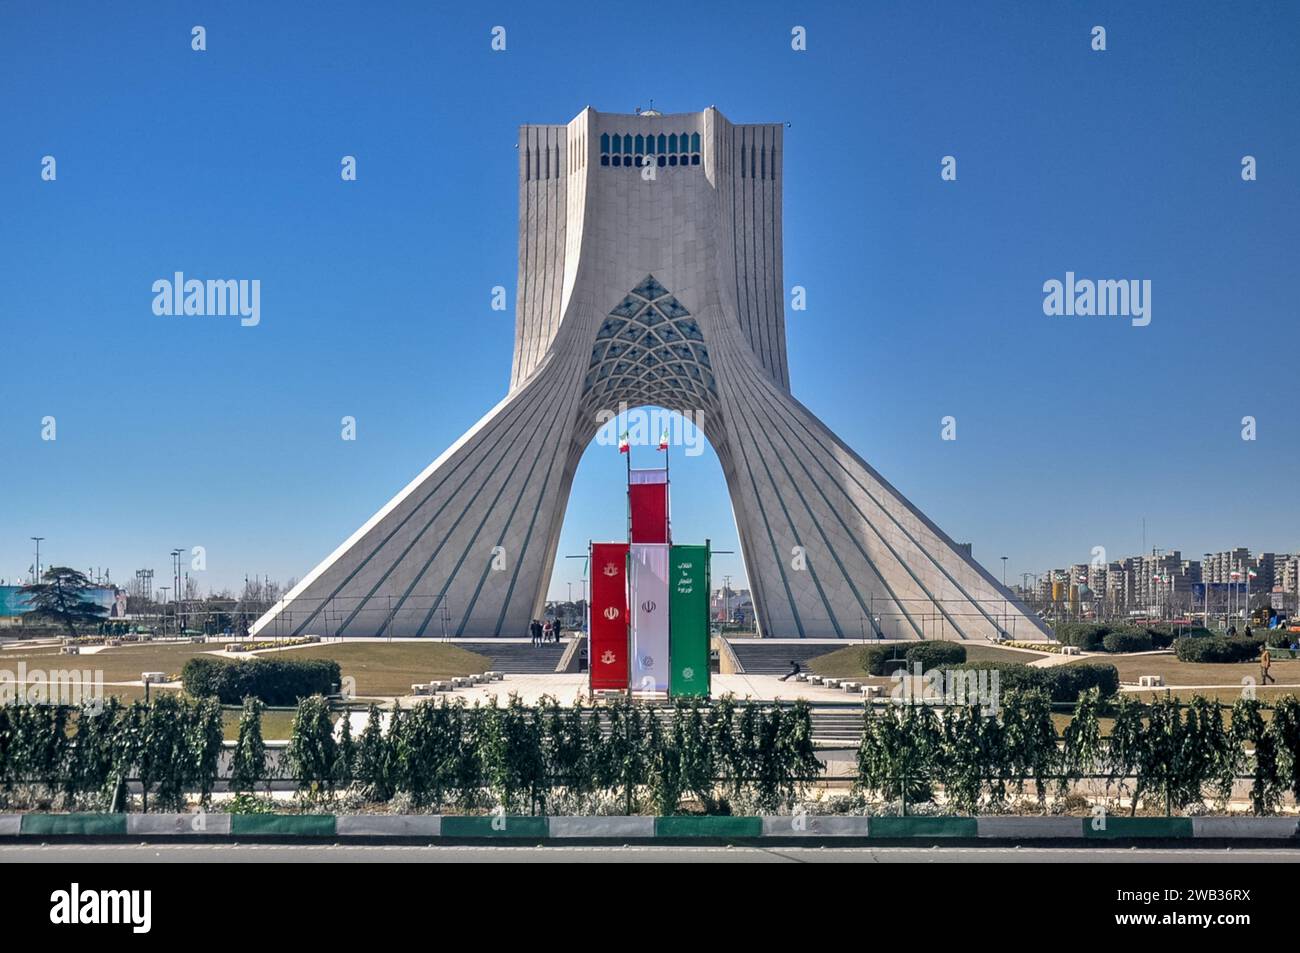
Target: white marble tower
650	272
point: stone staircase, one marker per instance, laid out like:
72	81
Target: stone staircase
517	658
765	658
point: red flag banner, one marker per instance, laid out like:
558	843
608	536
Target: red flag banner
607	652
647	494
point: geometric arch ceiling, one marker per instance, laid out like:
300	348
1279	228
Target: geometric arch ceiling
649	350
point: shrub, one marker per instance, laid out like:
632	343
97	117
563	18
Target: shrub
1217	649
248	762
1164	634
1061	683
1127	640
884	659
1086	635
279	681
312	750
876	658
935	655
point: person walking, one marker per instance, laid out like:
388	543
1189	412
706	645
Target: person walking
794	670
546	631
1265	662
535	630
555	628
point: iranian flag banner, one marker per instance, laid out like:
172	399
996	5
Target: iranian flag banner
607	650
648	603
688	610
647	496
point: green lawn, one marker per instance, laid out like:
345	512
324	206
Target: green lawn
275	724
120	664
1228	675
380	668
390	668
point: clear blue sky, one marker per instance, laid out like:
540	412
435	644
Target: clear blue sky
924	296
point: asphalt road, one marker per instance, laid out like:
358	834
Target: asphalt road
353	854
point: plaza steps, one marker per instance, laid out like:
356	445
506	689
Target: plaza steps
764	658
517	658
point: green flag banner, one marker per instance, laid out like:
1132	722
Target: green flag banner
688	620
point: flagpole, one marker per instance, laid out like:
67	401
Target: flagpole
668	500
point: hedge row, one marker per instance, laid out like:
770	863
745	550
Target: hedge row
171	746
275	681
883	659
557	759
1218	648
1060	683
1097	636
436	755
1163	754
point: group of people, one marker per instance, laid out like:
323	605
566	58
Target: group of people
547	631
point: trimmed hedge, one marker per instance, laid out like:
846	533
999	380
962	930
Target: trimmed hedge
1126	640
1095	636
1086	635
275	681
1217	648
1061	683
876	659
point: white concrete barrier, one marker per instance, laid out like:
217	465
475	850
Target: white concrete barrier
1039	827
196	823
809	825
1245	827
602	826
388	825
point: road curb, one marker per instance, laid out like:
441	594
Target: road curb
199	824
642	828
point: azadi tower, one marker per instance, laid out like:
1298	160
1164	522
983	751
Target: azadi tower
650	273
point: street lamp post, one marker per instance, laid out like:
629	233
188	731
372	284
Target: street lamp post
162	616
37	577
1004	572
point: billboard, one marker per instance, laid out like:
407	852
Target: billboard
14	602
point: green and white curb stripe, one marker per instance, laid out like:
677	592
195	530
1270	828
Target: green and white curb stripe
643	829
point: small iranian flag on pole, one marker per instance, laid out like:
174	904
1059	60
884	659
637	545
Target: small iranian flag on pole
622	442
663	440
